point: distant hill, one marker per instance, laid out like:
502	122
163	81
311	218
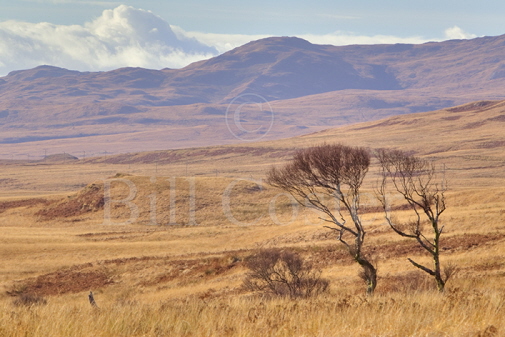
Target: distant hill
468	140
59	158
309	87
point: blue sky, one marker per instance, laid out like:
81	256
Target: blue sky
106	39
425	18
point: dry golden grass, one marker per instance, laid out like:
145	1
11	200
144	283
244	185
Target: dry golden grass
186	280
181	279
460	312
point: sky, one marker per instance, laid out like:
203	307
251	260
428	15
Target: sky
100	35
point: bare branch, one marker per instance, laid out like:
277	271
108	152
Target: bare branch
415	180
423	268
334	171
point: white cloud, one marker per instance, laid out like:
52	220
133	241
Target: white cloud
338	17
125	36
342	39
222	42
455	32
121	37
225	42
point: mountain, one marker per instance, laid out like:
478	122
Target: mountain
292	84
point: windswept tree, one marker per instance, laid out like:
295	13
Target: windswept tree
328	178
419	184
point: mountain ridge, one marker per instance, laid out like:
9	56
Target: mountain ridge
309	86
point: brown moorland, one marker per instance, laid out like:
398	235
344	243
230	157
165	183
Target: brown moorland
197	214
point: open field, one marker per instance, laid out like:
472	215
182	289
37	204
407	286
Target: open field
197	214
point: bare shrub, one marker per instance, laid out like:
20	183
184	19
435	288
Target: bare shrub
283	273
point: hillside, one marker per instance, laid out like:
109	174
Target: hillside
168	255
468	139
309	87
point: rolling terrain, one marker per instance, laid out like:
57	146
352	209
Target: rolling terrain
287	87
468	139
168	256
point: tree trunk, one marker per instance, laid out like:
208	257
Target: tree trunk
438	274
436	257
369	274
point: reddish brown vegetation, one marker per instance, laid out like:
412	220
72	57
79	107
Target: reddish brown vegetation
90	199
72	280
184	270
201	267
105	273
5	205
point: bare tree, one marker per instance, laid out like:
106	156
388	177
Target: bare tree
418	183
322	176
283	273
